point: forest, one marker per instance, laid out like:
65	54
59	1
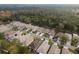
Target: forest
57	17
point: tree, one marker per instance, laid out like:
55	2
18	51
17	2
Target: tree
50	42
63	41
74	42
46	35
76	51
1	36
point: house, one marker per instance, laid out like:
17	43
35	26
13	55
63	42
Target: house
36	43
5	28
38	33
51	36
41	34
25	39
69	36
66	50
43	47
12	34
54	49
68	44
75	36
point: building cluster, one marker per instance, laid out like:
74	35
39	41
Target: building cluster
35	37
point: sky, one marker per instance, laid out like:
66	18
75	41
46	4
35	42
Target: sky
39	1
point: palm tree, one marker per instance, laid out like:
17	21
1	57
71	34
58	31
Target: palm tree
63	41
74	42
76	51
50	42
